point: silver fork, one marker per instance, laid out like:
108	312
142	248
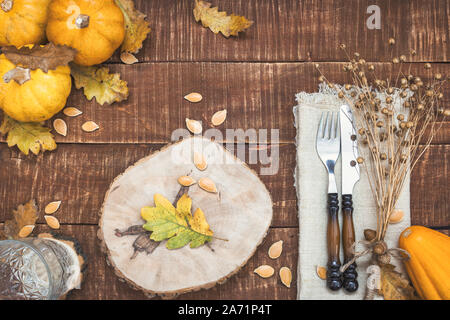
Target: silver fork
328	148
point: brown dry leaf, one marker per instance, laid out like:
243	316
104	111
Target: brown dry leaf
219	21
128	58
47	57
28	136
136	27
394	286
25	215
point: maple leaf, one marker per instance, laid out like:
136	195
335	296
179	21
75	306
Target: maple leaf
25	214
28	136
394	286
177	225
136	27
47	57
219	21
99	83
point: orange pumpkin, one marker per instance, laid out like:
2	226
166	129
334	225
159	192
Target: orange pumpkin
95	28
429	265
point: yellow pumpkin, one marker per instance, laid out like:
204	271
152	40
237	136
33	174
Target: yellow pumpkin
23	22
429	265
37	99
95	28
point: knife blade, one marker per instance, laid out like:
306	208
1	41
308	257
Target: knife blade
350	176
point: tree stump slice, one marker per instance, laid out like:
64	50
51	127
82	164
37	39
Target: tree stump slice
240	212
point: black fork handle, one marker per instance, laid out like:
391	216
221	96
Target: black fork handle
334	276
348	238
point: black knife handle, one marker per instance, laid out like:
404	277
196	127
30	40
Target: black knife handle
348	238
334	276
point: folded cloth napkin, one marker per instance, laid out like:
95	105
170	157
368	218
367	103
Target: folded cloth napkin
311	184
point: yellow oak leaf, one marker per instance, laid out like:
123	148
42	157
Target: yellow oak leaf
99	83
219	21
136	27
25	214
28	136
394	286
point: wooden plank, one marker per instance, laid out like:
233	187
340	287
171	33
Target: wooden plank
258	96
290	30
79	175
101	282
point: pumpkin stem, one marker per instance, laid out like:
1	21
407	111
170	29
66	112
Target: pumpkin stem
18	74
82	21
7	5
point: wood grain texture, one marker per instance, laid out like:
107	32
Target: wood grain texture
290	30
257	96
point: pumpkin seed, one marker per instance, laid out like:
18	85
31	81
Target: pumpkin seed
208	185
186	181
72	112
128	58
286	276
26	231
52	222
219	117
52	207
200	161
321	272
193	97
264	271
276	249
194	126
60	126
89	126
396	216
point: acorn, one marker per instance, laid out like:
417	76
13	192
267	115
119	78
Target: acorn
370	234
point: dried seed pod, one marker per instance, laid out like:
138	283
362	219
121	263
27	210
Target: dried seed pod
193	97
186	181
370	234
200	161
89	126
396	216
286	276
72	112
208	185
219	117
52	207
194	126
60	126
380	247
384	258
128	58
264	271
52	222
26	231
321	272
276	249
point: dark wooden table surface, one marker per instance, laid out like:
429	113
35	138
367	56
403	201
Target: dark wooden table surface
255	77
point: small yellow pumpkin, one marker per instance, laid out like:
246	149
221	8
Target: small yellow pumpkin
36	99
95	28
429	265
23	22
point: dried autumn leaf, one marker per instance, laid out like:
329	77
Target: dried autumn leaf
28	136
219	21
47	57
99	83
177	225
25	215
394	286
136	27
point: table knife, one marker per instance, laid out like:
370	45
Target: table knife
350	175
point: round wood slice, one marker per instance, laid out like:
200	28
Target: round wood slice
240	212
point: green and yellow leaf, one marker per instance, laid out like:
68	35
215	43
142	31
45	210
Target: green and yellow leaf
219	21
177	225
28	136
99	83
136	27
25	214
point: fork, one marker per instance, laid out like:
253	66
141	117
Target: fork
328	148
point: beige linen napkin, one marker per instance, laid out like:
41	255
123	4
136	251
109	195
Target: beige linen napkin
311	184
